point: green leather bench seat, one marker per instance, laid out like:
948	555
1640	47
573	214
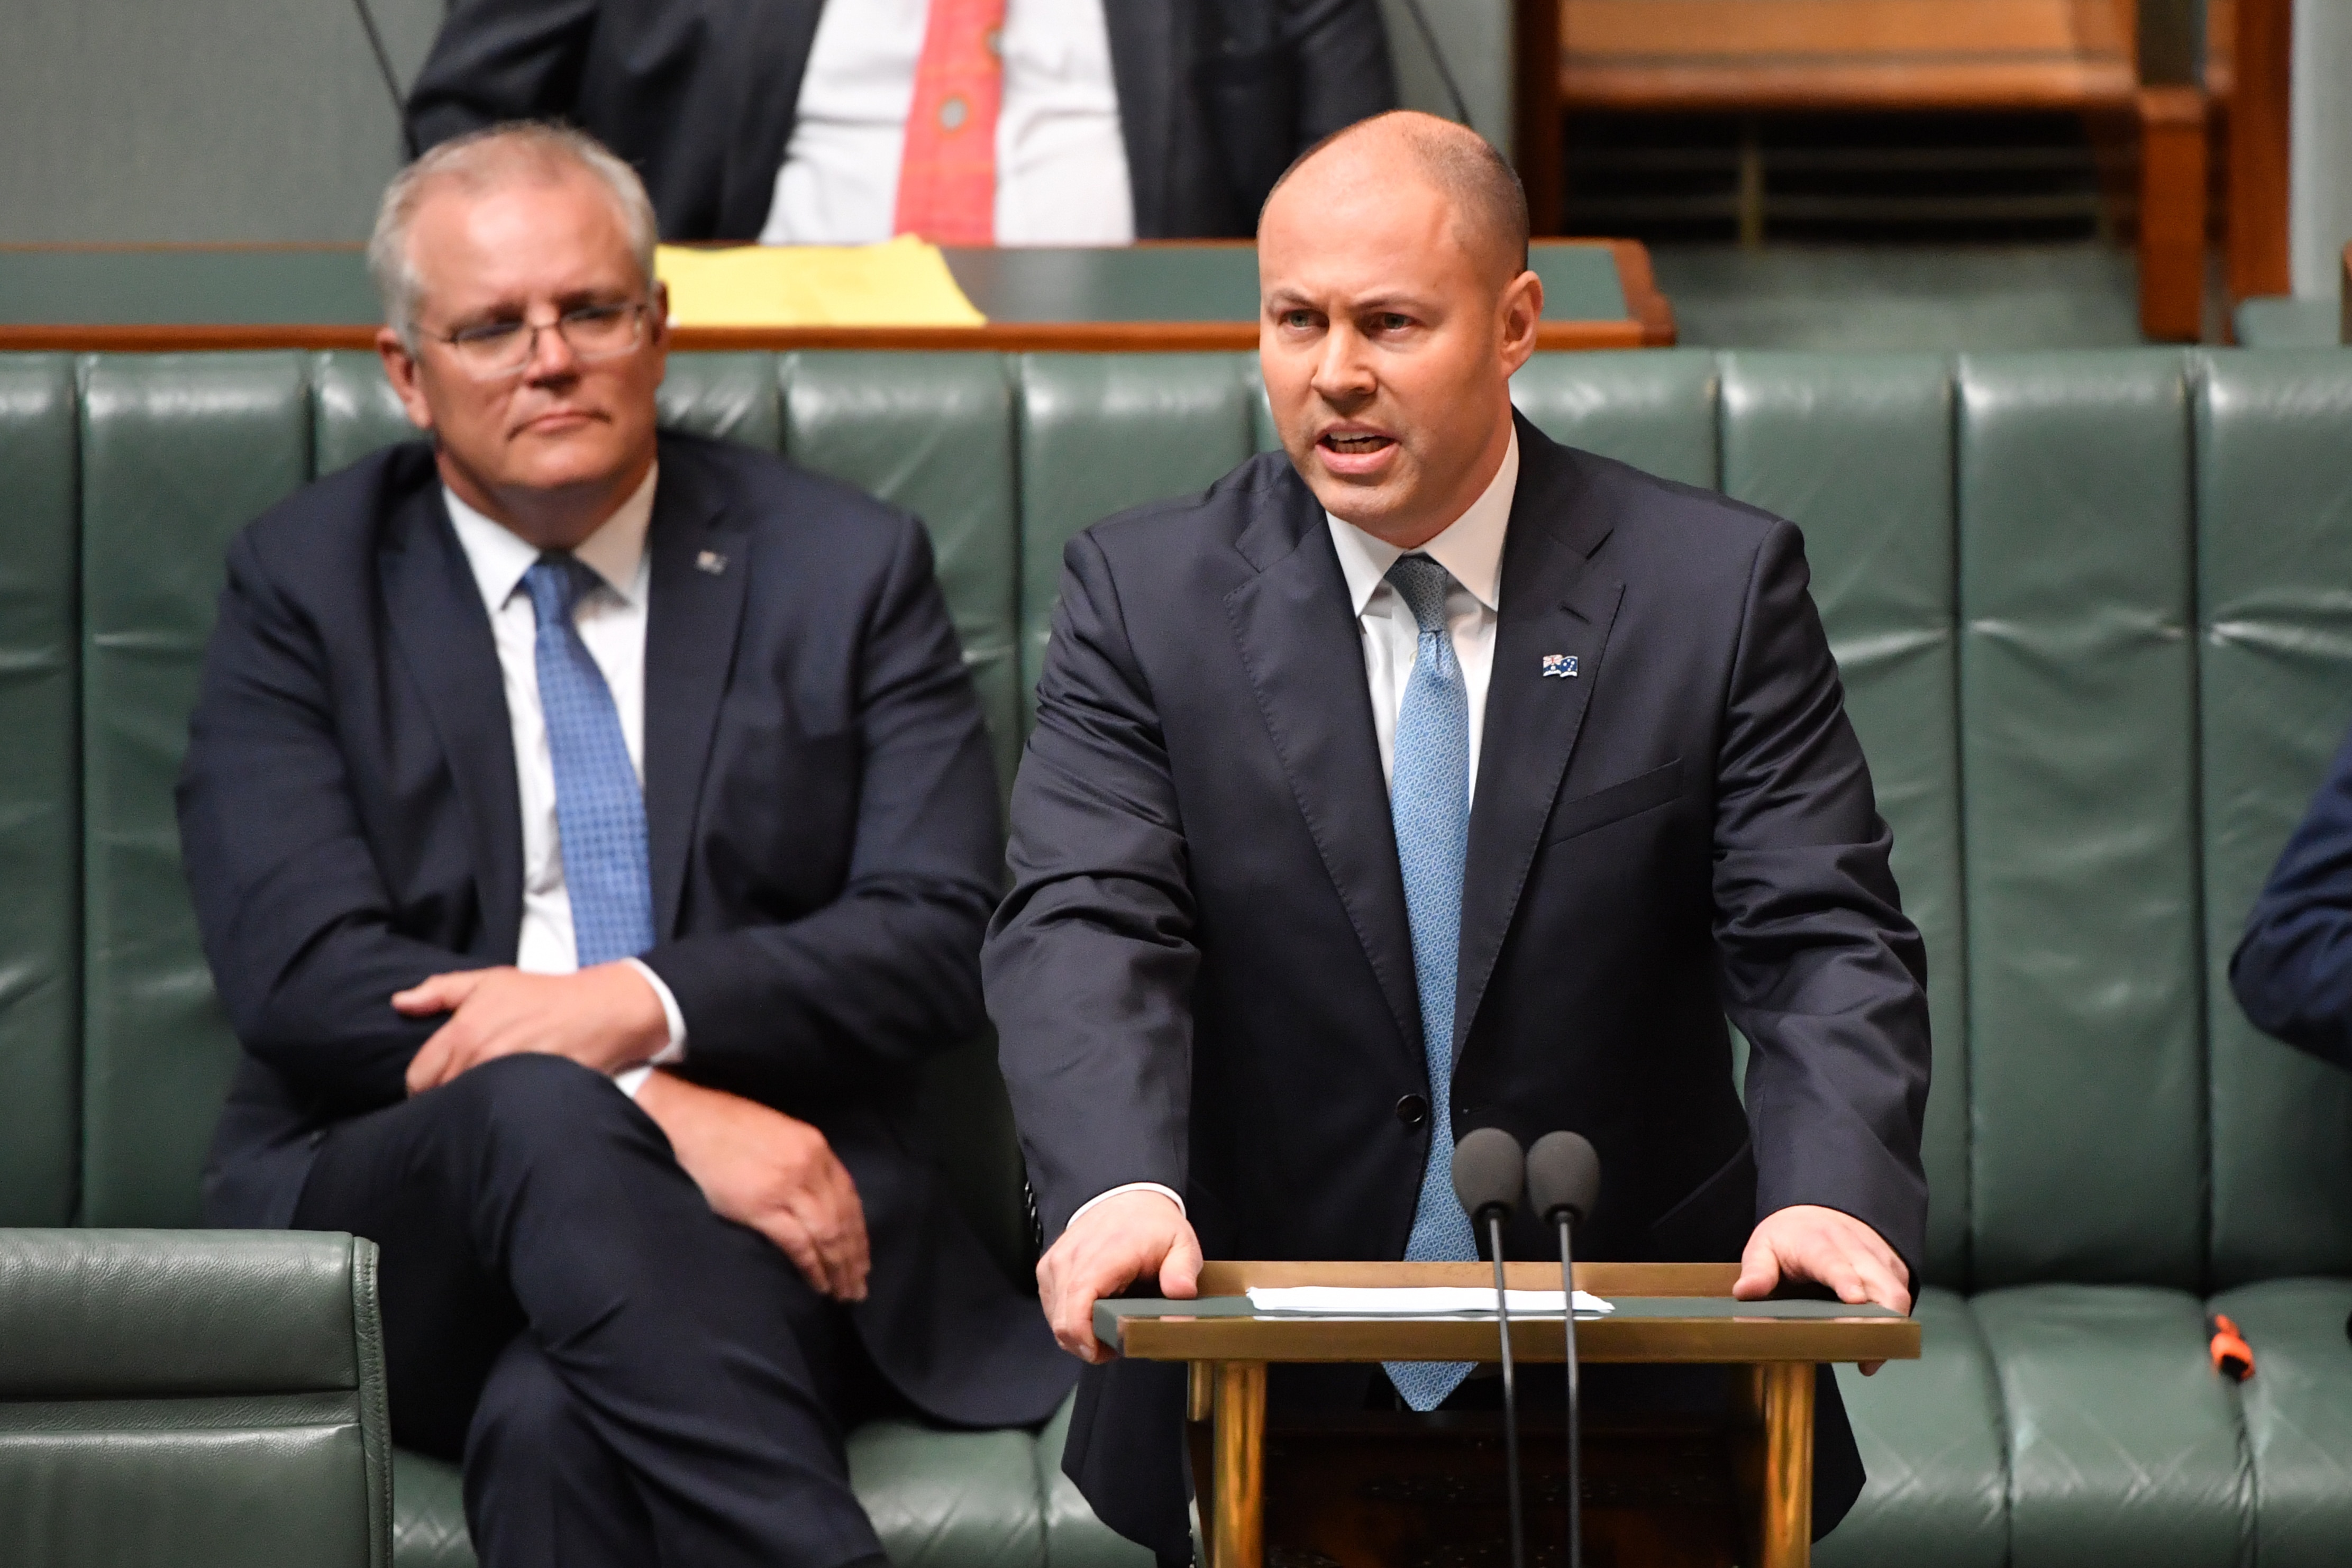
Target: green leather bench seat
198	1398
2093	616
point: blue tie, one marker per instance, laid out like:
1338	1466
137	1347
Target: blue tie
1429	797
600	809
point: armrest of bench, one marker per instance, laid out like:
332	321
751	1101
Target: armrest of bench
192	1398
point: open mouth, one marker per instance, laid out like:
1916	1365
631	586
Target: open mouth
1354	443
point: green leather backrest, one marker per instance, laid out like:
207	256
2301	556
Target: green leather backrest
1858	453
40	814
201	1398
2094	614
2275	621
2077	724
1100	433
178	453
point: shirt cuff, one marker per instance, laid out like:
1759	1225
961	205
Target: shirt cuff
1170	1194
632	1079
676	1050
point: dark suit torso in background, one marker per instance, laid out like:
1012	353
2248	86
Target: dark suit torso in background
1204	976
2293	969
821	828
699	94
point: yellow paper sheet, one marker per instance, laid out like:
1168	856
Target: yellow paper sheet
901	282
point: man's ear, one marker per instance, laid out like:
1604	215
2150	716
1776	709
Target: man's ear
1520	310
399	368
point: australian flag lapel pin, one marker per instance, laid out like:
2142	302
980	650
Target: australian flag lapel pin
1562	665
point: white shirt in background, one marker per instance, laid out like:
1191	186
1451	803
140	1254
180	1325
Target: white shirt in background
1061	159
612	623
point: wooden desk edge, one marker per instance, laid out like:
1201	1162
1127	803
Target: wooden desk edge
1711	1341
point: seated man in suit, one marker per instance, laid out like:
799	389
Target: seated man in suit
965	121
2293	969
592	831
1428	776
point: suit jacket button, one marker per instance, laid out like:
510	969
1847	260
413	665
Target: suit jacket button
1413	1111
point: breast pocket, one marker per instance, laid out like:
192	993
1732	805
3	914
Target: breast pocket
1615	803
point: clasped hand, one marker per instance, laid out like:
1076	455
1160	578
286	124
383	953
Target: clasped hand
607	1018
755	1166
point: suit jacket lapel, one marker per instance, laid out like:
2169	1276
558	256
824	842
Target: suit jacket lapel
1305	657
1554	601
700	570
433	609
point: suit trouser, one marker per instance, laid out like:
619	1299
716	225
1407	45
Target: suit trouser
628	1377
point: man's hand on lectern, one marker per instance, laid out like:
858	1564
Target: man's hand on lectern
1806	1241
1106	1249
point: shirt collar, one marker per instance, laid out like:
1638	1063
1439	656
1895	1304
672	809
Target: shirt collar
499	557
1470	547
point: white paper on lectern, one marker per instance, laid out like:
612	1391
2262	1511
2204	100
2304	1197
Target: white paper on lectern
1412	1301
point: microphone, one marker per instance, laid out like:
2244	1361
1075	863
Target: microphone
1489	1172
1563	1184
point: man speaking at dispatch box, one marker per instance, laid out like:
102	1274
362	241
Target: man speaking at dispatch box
1427	775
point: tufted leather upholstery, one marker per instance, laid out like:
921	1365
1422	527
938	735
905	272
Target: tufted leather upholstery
191	1397
2092	618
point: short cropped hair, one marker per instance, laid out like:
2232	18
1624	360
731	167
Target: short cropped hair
1485	189
521	150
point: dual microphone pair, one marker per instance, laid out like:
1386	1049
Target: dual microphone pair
1559	1179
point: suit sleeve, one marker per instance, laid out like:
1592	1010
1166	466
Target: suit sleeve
1344	72
294	916
1091	960
1822	971
496	61
888	970
2293	969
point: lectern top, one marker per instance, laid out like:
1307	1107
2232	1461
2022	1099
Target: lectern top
1672	1324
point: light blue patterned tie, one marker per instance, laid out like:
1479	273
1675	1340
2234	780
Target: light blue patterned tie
1429	797
600	808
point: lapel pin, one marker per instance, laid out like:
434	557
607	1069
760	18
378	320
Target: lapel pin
710	561
1560	664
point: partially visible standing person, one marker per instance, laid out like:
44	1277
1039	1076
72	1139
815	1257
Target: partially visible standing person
964	122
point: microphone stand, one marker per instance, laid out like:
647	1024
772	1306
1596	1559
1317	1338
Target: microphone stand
1567	1218
1510	1390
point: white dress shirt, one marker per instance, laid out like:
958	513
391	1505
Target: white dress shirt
611	619
1471	548
1061	158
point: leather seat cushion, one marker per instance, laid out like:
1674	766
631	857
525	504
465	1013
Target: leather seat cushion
2299	1415
1930	1436
2124	1444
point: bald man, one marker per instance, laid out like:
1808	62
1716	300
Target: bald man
1428	776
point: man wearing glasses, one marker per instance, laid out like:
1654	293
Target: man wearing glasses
590	830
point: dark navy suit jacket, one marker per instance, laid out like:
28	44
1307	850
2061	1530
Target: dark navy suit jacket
1203	975
2293	970
821	817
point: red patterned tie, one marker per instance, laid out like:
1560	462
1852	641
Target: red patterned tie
947	180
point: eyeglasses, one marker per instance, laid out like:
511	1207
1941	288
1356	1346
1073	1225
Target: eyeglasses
494	349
